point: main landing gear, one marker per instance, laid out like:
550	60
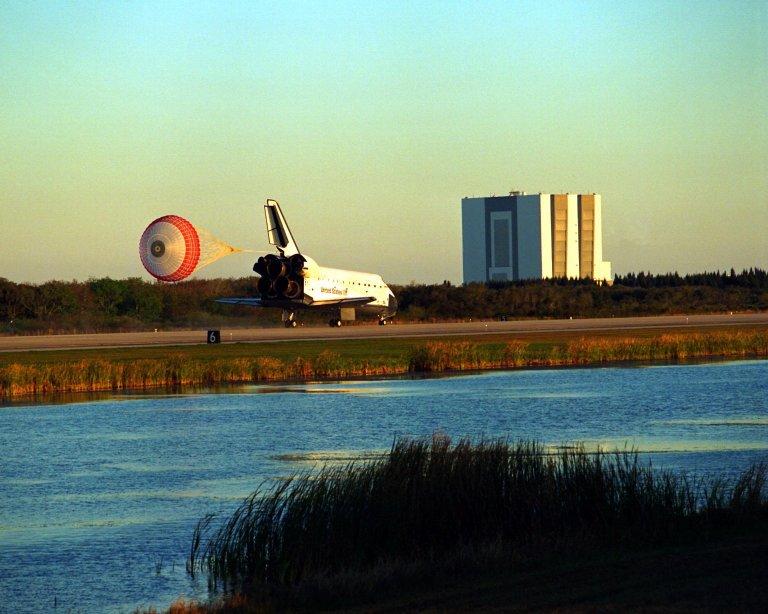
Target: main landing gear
334	322
383	322
289	319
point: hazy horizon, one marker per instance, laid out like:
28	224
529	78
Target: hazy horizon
370	122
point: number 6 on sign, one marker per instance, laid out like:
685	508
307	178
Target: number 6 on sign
214	336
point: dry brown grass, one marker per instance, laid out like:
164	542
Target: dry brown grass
182	368
439	356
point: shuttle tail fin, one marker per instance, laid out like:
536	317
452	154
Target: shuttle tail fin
277	229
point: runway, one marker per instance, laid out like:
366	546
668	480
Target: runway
373	331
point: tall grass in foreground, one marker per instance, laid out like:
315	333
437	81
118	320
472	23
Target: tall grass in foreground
179	369
429	499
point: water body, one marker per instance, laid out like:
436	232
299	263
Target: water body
98	499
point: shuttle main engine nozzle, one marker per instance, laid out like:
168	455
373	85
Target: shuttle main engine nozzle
280	276
276	266
293	290
296	263
264	285
260	266
281	285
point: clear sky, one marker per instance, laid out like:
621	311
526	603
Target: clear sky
370	121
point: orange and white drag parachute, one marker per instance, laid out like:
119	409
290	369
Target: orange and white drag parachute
172	248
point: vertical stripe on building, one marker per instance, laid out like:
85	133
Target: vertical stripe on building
586	235
572	237
559	233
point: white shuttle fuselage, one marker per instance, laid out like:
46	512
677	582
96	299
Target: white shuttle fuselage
292	281
326	284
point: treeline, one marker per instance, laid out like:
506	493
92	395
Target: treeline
635	294
133	304
122	305
748	278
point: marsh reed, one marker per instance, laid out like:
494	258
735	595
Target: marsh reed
179	369
440	356
174	371
429	498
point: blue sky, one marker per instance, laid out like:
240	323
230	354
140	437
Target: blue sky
370	121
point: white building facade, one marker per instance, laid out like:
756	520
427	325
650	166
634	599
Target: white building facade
533	236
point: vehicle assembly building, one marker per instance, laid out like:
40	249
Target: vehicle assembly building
533	236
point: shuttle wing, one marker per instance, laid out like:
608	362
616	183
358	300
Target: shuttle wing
248	301
357	301
241	300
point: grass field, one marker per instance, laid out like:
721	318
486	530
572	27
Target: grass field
392	347
61	371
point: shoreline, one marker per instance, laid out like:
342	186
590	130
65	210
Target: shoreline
35	375
85	396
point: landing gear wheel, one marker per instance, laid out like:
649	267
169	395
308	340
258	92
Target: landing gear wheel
289	318
334	323
382	322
